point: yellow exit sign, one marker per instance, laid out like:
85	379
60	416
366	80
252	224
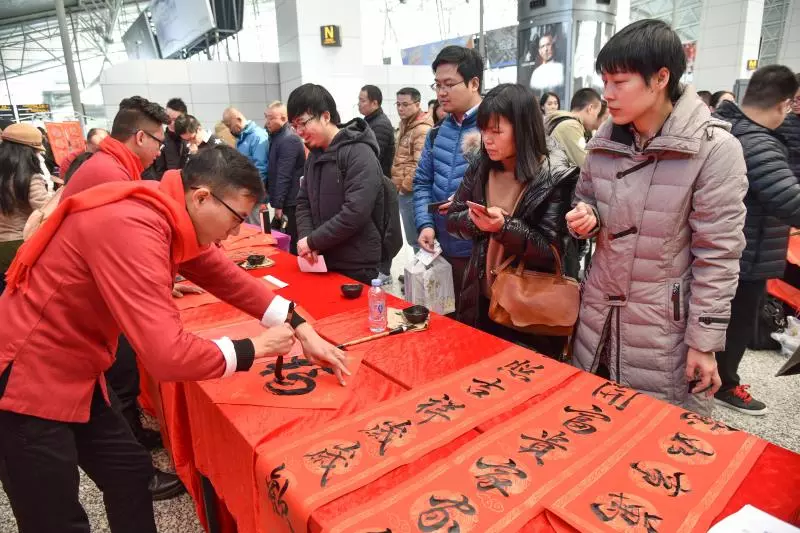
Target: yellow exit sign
330	35
752	64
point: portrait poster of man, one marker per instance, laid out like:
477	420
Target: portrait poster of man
543	56
590	37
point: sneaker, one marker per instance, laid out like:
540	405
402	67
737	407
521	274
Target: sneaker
740	400
386	279
401	278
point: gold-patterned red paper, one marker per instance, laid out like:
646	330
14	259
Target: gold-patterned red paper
674	475
319	467
499	481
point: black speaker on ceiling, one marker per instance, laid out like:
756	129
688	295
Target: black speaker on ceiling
228	14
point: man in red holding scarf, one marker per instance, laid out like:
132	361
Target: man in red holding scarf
103	263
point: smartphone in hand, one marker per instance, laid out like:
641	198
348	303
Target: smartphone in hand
434	207
477	207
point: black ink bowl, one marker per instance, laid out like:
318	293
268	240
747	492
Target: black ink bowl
351	291
416	314
255	259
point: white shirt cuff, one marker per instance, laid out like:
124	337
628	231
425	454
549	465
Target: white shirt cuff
276	313
225	345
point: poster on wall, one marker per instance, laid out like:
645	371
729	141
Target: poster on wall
542	57
590	37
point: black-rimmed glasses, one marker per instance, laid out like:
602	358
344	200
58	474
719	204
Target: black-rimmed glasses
156	139
298	125
239	217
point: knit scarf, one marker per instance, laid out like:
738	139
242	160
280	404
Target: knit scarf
126	158
167	197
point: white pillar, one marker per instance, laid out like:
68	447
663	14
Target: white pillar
303	59
789	54
730	31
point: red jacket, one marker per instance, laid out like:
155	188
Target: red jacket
108	270
100	168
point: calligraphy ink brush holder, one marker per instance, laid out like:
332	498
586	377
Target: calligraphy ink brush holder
255	259
416	314
351	291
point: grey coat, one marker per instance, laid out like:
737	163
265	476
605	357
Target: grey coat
669	241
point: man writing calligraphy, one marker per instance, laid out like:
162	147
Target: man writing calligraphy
103	264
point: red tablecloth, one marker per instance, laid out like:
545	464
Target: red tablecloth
219	440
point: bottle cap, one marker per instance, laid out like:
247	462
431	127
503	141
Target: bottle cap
376	283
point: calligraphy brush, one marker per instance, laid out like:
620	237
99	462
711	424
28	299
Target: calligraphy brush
395	331
279	368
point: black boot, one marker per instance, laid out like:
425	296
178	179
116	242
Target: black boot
165	486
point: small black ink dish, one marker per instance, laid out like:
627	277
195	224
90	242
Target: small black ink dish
255	259
416	314
351	291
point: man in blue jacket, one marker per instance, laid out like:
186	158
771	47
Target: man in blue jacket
458	75
252	141
286	161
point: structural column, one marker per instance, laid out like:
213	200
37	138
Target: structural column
74	90
730	33
303	58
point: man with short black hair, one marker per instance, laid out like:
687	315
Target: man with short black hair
94	138
458	75
661	188
773	206
705	96
175	152
189	129
370	100
340	202
287	158
414	127
573	129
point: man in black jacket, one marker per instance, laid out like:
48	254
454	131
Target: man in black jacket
194	134
285	168
341	194
773	204
175	152
790	130
370	100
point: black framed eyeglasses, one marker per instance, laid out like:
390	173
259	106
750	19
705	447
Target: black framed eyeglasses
298	125
445	88
156	139
239	217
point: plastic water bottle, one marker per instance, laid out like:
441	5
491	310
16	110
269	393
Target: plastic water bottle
377	307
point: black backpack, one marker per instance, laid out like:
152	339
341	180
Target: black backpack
553	124
387	221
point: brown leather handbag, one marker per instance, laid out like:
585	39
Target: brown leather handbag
534	302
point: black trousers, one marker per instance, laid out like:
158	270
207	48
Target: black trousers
459	265
363	275
40	471
291	227
123	379
745	307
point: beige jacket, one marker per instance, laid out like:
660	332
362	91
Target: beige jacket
11	226
410	141
569	133
668	246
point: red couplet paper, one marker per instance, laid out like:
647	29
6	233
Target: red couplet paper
65	138
675	474
189	301
318	467
595	454
255	239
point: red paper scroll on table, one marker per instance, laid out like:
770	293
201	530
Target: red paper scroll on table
574	454
317	468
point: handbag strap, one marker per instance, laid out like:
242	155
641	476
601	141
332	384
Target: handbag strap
521	266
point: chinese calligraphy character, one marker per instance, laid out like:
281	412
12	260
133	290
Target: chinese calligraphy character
438	408
295	383
543	445
499	478
615	395
386	432
483	387
706	422
656	478
275	492
686	445
520	369
580	424
631	513
327	459
438	516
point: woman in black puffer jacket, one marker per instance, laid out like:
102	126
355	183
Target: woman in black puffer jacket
527	184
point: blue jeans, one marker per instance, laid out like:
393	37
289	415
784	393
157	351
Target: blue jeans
406	201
